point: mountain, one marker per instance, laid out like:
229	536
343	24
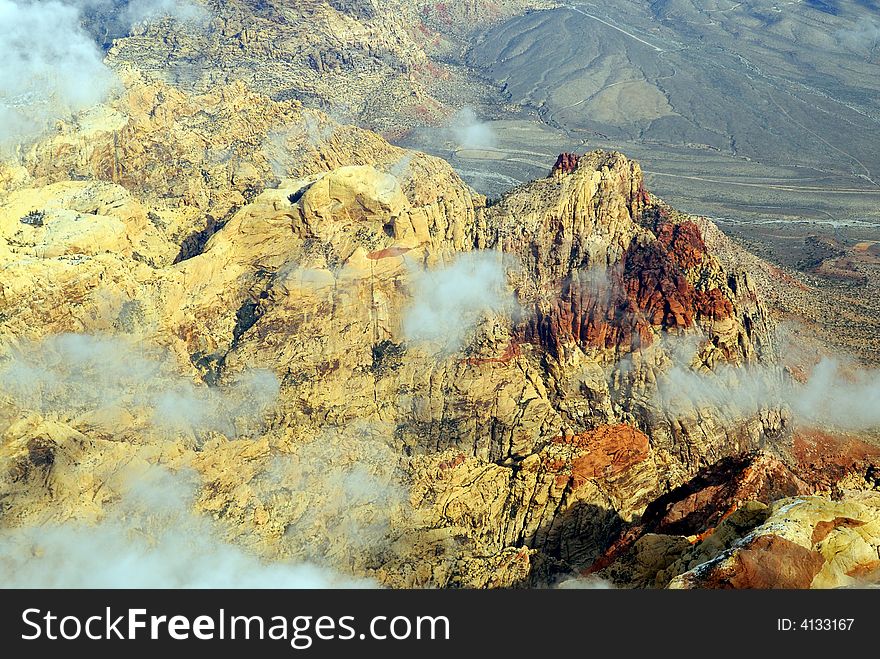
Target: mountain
386	65
714	86
232	326
758	114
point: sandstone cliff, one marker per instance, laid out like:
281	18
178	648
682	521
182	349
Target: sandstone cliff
309	288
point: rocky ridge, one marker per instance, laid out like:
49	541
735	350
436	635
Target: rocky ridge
236	232
389	67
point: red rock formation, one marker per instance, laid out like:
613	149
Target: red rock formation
566	163
614	551
649	289
826	458
822	529
768	561
590	316
683	242
868	573
658	287
703	502
712	304
599	453
820	461
388	252
700	505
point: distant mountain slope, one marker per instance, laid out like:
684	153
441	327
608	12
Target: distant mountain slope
781	83
386	65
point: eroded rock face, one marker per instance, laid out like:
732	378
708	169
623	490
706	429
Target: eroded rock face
333	54
695	508
805	542
619	307
530	449
355	194
715	507
768	561
601	453
717	531
566	163
610	270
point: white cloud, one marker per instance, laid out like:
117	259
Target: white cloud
847	397
449	302
137	11
150	540
346	490
833	393
471	133
72	375
51	67
591	582
865	36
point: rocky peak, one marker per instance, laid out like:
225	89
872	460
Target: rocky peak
566	163
610	269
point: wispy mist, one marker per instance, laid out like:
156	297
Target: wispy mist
151	539
52	67
846	397
863	37
591	582
469	132
102	379
338	494
832	393
136	11
449	302
283	147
